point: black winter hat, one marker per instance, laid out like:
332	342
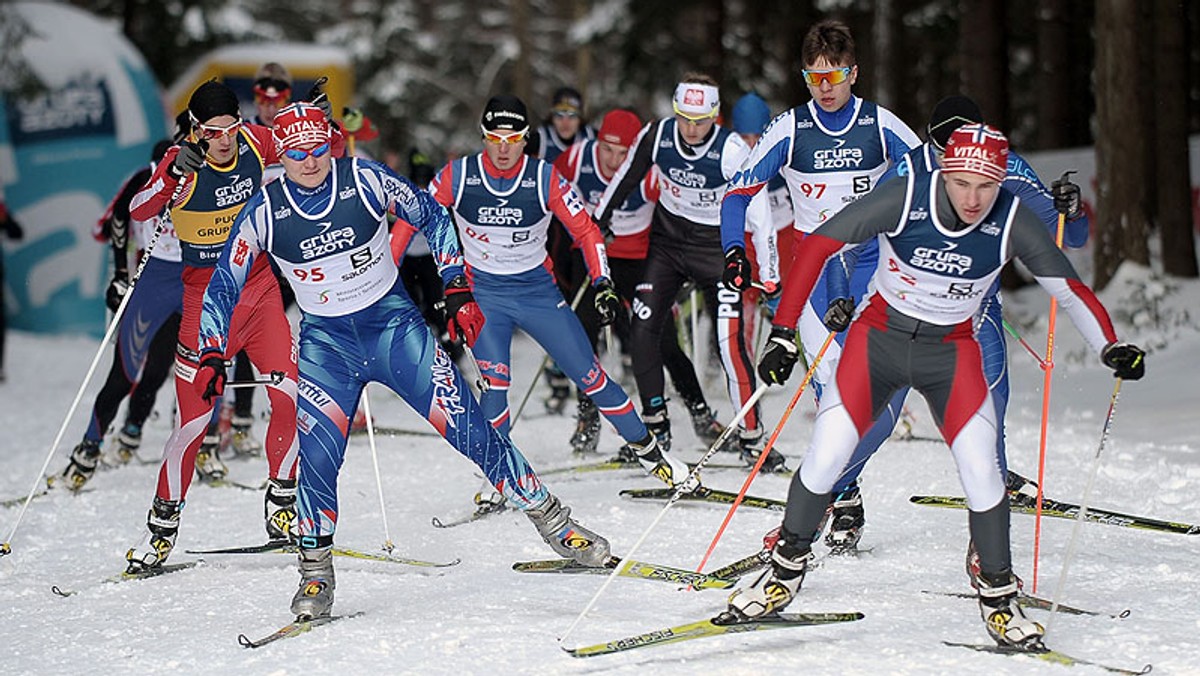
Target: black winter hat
213	99
505	113
949	114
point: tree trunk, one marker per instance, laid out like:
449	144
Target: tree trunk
1172	205
1054	58
523	68
1122	226
984	49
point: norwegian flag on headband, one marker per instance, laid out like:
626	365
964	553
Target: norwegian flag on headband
977	149
300	124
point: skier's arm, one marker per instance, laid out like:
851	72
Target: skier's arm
416	209
1029	242
150	201
567	205
876	213
229	275
766	159
626	180
1023	182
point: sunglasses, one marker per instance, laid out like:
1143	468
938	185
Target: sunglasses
301	155
505	138
210	132
834	77
271	96
694	119
565	113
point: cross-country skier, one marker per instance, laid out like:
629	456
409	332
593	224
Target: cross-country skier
831	151
949	114
503	200
204	183
325	225
943	238
695	160
145	347
589	166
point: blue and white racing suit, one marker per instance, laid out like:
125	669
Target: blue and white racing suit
359	325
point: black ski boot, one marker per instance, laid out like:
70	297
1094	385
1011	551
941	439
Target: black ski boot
279	510
80	469
847	519
162	522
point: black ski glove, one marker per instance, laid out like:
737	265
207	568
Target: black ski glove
12	228
189	160
210	377
1127	361
780	355
607	303
317	97
839	314
117	288
1066	197
736	276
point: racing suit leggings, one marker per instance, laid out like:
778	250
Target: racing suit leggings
667	268
259	326
884	352
389	343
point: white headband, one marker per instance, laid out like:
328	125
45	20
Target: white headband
697	101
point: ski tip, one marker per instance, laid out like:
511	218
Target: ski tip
59	591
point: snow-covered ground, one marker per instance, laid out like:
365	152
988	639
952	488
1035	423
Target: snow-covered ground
481	617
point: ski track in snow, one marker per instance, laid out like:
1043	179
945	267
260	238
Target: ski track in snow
481	617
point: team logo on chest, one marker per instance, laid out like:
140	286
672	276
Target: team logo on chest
687	176
838	157
236	192
501	214
329	241
945	260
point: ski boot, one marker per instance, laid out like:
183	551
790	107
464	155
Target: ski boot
661	465
776	586
209	466
129	440
279	509
659	424
751	443
1021	491
707	429
80	469
560	390
1005	620
163	523
846	521
975	573
565	536
315	597
587	428
242	440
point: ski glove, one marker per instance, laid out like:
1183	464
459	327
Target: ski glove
780	355
317	97
210	377
1127	361
117	288
463	315
1066	197
736	276
607	303
189	159
839	314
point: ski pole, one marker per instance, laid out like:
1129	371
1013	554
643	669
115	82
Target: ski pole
732	426
275	378
766	449
542	367
5	547
480	383
1081	515
1013	332
387	533
1048	368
